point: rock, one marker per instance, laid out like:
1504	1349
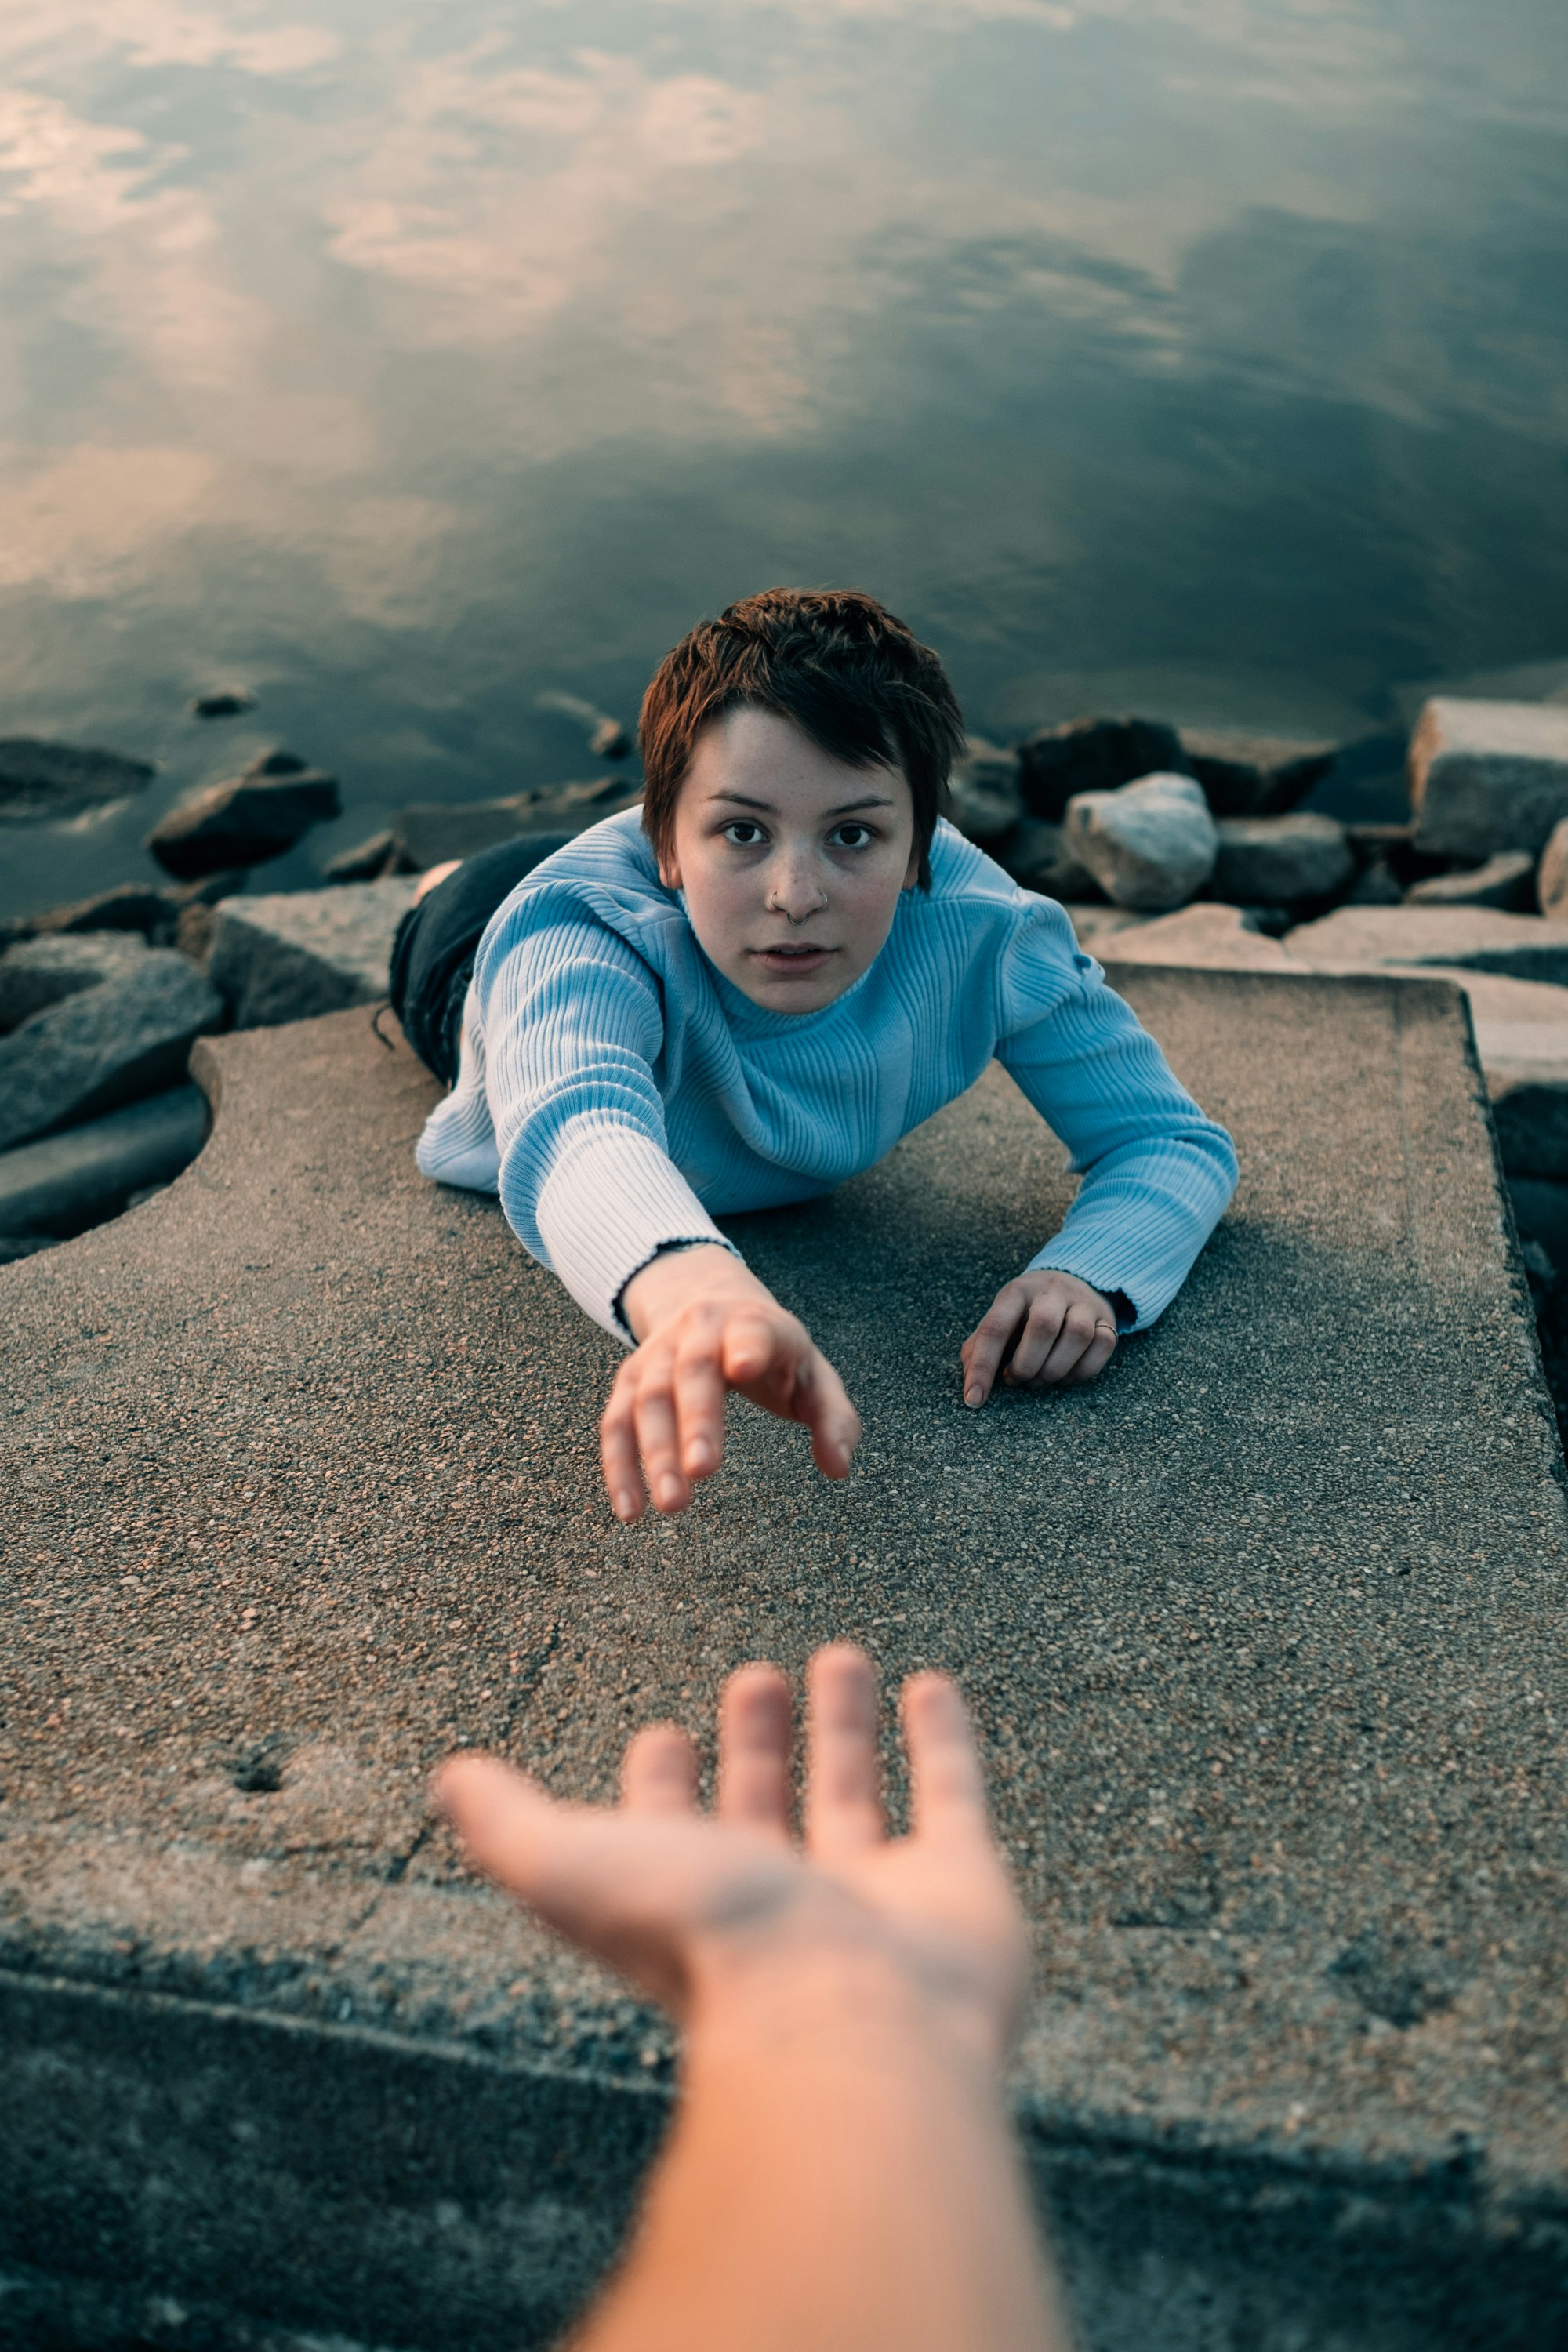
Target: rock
609	741
983	792
367	861
290	955
129	907
226	703
1206	937
1541	1213
1280	860
1485	776
40	971
428	832
1504	881
1093	755
1149	844
42	781
252	817
1552	876
13	1247
1036	856
1377	885
1475	938
1254	775
108	1046
66	1182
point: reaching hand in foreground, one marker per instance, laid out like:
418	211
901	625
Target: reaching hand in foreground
705	1325
1043	1329
840	2172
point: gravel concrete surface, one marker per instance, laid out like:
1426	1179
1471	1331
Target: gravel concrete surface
1263	1633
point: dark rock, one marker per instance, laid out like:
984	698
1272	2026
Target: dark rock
1037	855
1541	1213
40	782
982	794
1281	861
1506	880
1254	775
1149	844
428	832
226	703
1396	1977
609	741
252	817
367	861
1093	755
1552	878
66	1182
109	1045
129	907
13	1247
41	972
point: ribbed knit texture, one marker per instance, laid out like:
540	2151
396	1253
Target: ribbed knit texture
618	1093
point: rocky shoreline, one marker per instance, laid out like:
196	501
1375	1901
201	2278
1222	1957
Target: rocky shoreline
1182	848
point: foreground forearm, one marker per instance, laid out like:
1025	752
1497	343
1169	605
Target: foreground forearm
840	2177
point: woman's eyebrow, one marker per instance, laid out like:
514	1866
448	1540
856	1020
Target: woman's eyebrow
844	808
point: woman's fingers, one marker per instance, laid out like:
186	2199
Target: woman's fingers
1096	1354
700	1404
987	1346
947	1789
822	1403
618	1449
1048	1320
755	1727
658	1771
843	1784
506	1822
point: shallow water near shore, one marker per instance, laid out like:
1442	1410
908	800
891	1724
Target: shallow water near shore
403	362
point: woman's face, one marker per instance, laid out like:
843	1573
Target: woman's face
791	862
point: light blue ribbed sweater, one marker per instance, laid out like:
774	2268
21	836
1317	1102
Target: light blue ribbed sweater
619	1092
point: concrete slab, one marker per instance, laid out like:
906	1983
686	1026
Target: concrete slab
1521	947
1264	1634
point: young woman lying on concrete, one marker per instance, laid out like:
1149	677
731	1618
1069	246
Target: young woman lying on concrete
747	992
840	2174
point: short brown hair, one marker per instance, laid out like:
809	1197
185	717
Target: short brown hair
835	662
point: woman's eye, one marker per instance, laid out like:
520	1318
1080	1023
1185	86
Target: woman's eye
744	834
852	837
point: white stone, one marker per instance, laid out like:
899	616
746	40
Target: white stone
1485	776
1149	844
291	955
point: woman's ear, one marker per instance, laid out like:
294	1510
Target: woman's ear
669	870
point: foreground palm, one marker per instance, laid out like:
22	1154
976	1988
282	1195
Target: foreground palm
680	1902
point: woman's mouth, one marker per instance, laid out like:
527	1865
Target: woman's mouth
796	961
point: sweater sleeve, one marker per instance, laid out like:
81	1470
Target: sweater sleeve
574	1025
1157	1173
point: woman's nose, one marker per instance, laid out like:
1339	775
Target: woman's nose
795	889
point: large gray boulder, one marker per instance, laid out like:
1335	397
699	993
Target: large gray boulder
292	954
1485	776
1093	755
66	1182
108	1046
41	781
1281	861
1254	775
252	817
1504	882
1149	845
40	971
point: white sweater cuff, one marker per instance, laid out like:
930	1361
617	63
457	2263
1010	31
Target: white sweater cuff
611	1202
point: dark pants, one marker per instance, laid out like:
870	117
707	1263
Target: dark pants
433	954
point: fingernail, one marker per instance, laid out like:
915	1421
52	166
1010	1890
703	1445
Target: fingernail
699	1456
974	1396
669	1493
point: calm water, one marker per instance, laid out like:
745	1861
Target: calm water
405	359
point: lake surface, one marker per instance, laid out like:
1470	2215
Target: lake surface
405	359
